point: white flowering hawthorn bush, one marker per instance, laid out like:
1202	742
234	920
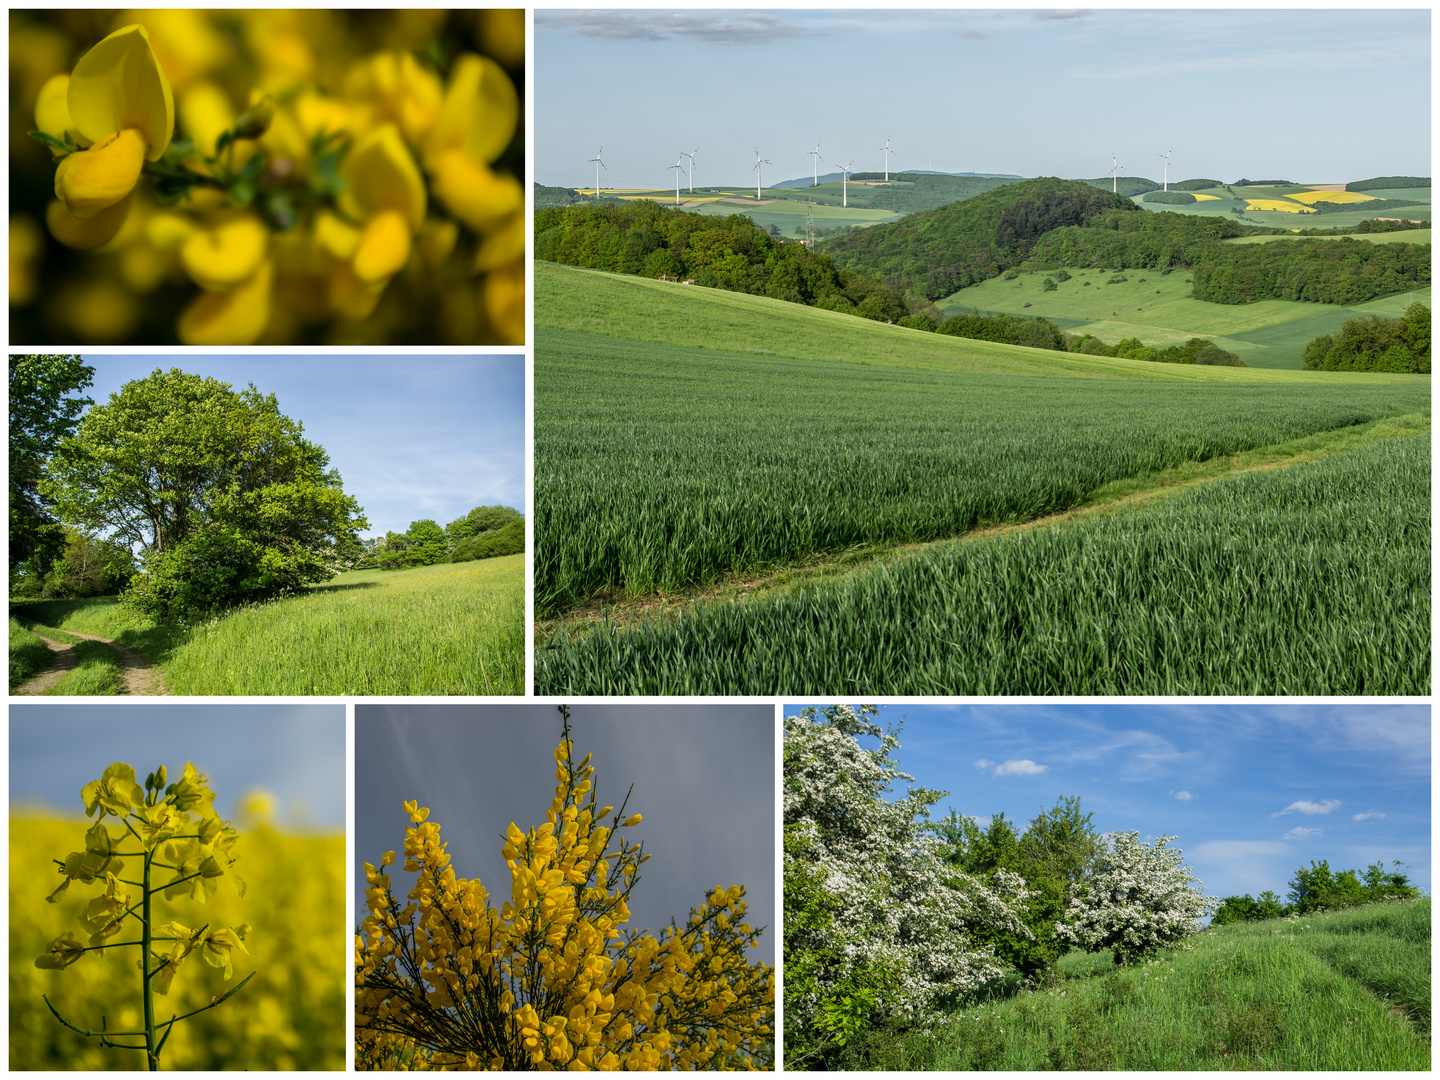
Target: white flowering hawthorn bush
1138	899
874	919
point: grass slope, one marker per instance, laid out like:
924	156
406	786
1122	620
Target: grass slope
573	300
1159	310
1343	991
450	629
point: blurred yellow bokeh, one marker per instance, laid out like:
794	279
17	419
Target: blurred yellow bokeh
267	177
291	1015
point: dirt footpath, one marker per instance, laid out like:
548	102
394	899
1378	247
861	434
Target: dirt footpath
140	678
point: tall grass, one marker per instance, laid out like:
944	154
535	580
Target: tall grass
659	469
97	672
29	656
1251	996
1313	579
450	629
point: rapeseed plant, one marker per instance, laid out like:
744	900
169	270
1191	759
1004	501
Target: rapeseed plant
177	829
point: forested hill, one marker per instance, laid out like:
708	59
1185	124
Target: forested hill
934	253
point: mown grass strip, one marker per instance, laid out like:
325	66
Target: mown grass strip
98	671
1308	580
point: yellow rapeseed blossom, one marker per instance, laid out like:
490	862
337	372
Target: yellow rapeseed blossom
320	175
552	978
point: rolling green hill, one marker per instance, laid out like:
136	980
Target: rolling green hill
933	253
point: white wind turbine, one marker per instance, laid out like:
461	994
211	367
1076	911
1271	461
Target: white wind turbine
691	156
758	172
887	152
1114	178
1166	158
844	180
598	166
816	155
677	167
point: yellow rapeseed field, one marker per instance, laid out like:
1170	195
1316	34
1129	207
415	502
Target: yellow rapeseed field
1309	197
291	1015
1285	206
1204	198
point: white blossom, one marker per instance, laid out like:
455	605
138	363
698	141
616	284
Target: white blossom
904	908
1137	900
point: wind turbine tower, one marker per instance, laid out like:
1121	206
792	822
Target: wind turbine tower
1166	158
677	167
758	172
885	150
598	166
844	180
816	155
691	156
1115	167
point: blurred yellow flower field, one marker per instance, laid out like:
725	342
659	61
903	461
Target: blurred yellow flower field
273	177
291	1015
1309	197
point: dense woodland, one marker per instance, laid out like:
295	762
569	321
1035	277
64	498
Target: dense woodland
483	533
1375	343
1381	183
1341	271
1143	241
938	252
724	253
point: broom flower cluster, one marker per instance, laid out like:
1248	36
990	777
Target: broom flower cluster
551	978
283	187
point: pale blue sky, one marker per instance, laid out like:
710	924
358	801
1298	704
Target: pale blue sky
295	752
1313	96
414	436
1253	792
704	779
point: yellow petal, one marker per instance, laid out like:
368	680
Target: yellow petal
356	299
381	175
118	85
168	230
335	236
384	247
474	193
101	176
93	231
206	113
237	317
221	258
505	303
52	114
437	240
504	245
480	113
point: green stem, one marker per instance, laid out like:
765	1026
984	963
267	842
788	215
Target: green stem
151	1055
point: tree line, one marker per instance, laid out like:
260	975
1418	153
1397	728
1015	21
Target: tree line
1375	343
1344	271
483	533
725	253
1383	182
1317	888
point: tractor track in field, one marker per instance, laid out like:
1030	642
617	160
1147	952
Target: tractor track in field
139	677
611	606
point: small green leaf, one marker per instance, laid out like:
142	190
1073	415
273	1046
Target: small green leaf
51	141
242	193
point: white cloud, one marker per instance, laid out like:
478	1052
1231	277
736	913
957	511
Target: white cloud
1300	833
1023	767
983	763
754	28
1305	807
1062	14
1184	796
1369	815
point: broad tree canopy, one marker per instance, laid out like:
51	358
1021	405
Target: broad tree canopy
222	493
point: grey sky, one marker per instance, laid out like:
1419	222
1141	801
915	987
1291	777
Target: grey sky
414	436
1314	96
704	779
296	752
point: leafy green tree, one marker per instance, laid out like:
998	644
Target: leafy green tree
426	542
42	413
224	496
89	567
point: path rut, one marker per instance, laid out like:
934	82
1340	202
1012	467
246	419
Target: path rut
140	678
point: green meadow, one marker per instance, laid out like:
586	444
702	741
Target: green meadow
1224	204
1158	309
445	629
1339	991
